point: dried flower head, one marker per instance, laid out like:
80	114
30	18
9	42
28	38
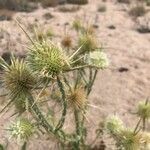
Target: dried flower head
47	59
67	41
144	110
114	125
87	43
97	59
18	78
22	129
77	98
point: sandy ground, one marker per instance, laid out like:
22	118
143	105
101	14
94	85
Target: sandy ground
114	92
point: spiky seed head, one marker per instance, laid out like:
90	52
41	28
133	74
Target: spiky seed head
97	59
87	43
67	41
143	110
47	59
128	140
22	129
18	78
77	98
114	125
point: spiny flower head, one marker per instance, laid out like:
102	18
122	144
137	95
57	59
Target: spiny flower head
18	78
87	43
77	98
114	125
47	59
144	110
97	59
128	140
22	129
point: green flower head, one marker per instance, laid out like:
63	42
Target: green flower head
47	59
128	140
114	125
144	110
22	129
18	78
97	59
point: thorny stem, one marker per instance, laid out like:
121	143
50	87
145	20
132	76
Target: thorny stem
92	81
137	126
78	133
62	120
41	119
144	124
24	146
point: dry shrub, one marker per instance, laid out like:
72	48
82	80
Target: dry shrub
137	11
17	5
67	8
49	3
124	1
79	2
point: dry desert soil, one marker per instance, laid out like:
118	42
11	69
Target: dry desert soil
119	88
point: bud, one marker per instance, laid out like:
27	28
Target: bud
144	110
114	125
97	59
22	129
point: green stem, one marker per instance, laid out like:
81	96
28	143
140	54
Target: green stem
137	126
91	82
39	116
41	120
144	124
78	133
64	112
24	146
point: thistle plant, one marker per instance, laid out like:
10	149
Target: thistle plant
128	138
48	67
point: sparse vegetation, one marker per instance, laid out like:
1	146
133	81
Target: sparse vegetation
138	10
124	1
18	5
79	2
67	8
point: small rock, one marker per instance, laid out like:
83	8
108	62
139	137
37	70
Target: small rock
112	27
123	69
